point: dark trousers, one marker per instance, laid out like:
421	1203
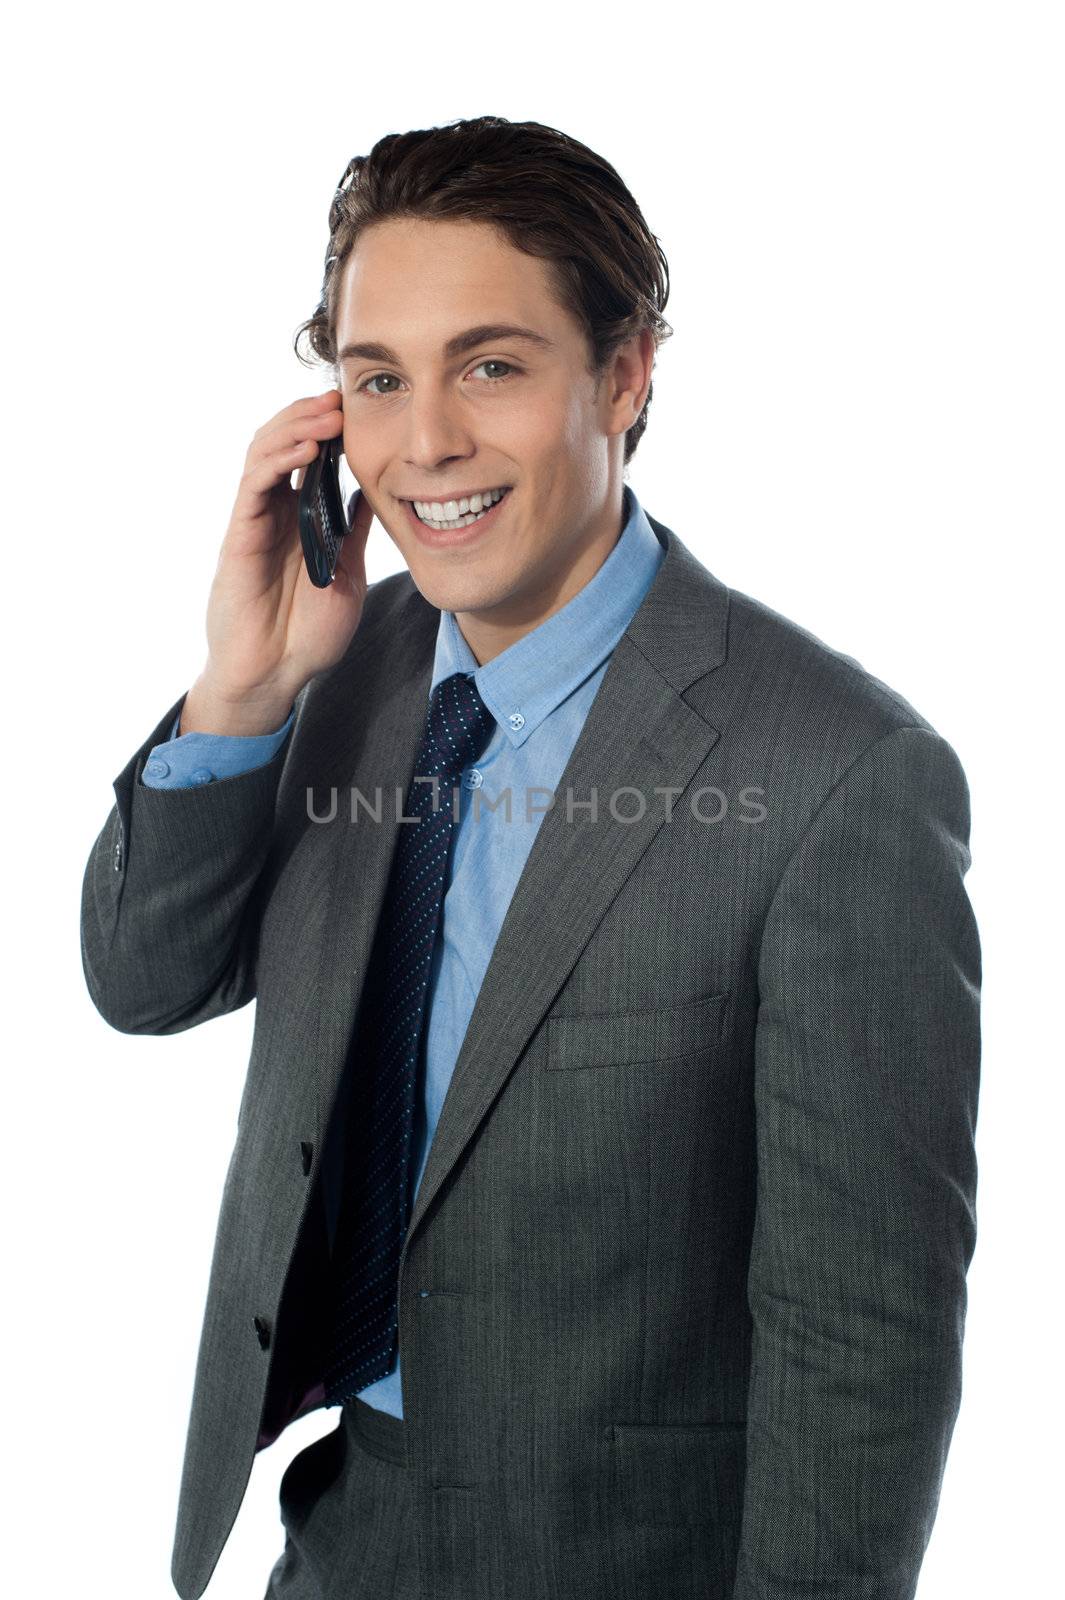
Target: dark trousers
346	1509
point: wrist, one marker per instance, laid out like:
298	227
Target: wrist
206	709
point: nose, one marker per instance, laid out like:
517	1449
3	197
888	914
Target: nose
437	431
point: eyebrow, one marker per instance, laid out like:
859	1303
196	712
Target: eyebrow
485	333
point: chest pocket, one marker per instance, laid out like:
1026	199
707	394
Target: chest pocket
625	1038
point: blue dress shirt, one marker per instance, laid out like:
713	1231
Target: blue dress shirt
539	690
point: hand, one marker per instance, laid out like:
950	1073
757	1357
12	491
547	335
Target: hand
269	628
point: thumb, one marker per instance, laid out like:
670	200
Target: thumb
350	556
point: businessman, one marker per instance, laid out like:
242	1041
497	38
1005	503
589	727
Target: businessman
606	1152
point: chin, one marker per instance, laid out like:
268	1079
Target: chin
454	594
449	596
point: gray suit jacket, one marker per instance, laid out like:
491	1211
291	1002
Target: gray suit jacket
683	1294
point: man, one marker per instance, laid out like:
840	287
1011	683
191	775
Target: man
609	1162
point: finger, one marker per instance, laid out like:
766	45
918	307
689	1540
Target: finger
307	405
360	516
263	473
351	555
283	431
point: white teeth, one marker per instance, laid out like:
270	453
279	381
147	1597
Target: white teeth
457	513
449	510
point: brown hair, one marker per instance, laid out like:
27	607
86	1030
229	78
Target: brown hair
550	196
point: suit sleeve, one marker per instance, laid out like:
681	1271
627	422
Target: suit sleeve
867	1062
170	908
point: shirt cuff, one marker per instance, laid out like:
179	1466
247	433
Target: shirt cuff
184	761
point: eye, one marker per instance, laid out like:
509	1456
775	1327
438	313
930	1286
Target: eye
489	361
365	384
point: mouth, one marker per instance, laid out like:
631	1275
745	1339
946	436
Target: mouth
458	531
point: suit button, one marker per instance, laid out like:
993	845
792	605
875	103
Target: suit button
118	855
262	1328
306	1152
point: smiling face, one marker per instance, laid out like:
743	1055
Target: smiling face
427	420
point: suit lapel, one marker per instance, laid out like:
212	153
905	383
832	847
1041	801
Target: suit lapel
639	733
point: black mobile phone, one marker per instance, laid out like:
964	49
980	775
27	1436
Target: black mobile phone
322	519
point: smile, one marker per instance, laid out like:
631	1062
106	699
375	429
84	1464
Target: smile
457	513
458	526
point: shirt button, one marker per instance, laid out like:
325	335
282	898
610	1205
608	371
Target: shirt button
516	720
201	775
474	779
157	767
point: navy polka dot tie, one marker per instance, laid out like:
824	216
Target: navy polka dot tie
362	1329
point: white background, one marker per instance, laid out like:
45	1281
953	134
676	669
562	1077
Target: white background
858	421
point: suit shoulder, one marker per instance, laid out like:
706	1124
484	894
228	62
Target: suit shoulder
392	605
385	597
823	690
805	714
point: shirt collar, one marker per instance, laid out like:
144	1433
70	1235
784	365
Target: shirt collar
527	681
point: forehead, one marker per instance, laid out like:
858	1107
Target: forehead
427	278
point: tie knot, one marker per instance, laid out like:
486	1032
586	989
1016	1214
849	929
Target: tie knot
460	724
